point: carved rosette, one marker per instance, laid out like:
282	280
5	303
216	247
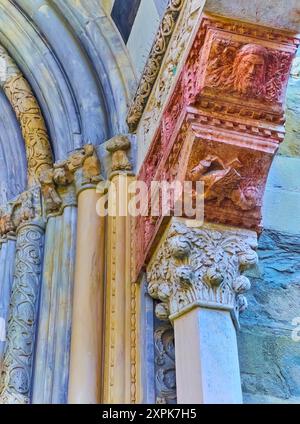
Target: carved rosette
201	267
18	360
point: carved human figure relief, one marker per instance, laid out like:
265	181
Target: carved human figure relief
250	70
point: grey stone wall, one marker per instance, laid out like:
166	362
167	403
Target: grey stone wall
269	358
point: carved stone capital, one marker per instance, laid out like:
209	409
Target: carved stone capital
66	179
57	188
118	146
201	267
25	209
85	165
28	113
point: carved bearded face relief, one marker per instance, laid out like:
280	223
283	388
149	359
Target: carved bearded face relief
250	70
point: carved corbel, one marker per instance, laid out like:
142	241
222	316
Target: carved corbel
222	124
201	267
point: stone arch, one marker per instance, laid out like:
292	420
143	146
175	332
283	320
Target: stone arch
77	65
28	113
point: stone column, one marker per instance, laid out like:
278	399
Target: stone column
50	382
196	273
85	382
15	387
119	296
7	260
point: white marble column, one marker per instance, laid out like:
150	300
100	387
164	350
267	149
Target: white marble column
196	273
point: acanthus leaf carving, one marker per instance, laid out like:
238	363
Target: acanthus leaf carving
201	266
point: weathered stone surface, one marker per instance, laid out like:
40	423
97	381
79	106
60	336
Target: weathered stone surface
268	12
269	358
291	145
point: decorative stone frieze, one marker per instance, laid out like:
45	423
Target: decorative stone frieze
222	124
15	382
201	267
154	61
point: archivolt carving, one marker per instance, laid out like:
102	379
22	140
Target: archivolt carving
155	59
19	93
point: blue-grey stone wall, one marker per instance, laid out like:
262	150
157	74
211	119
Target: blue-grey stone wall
269	357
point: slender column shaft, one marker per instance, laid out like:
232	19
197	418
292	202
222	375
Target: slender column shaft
120	371
207	367
18	361
7	260
87	324
115	371
50	384
197	274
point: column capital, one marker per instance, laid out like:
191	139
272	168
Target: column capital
23	210
85	165
68	178
201	267
118	147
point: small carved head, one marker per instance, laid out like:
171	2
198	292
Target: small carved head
249	70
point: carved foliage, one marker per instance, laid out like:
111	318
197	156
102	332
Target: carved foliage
200	265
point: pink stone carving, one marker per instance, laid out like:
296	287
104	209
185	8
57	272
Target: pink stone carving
222	124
